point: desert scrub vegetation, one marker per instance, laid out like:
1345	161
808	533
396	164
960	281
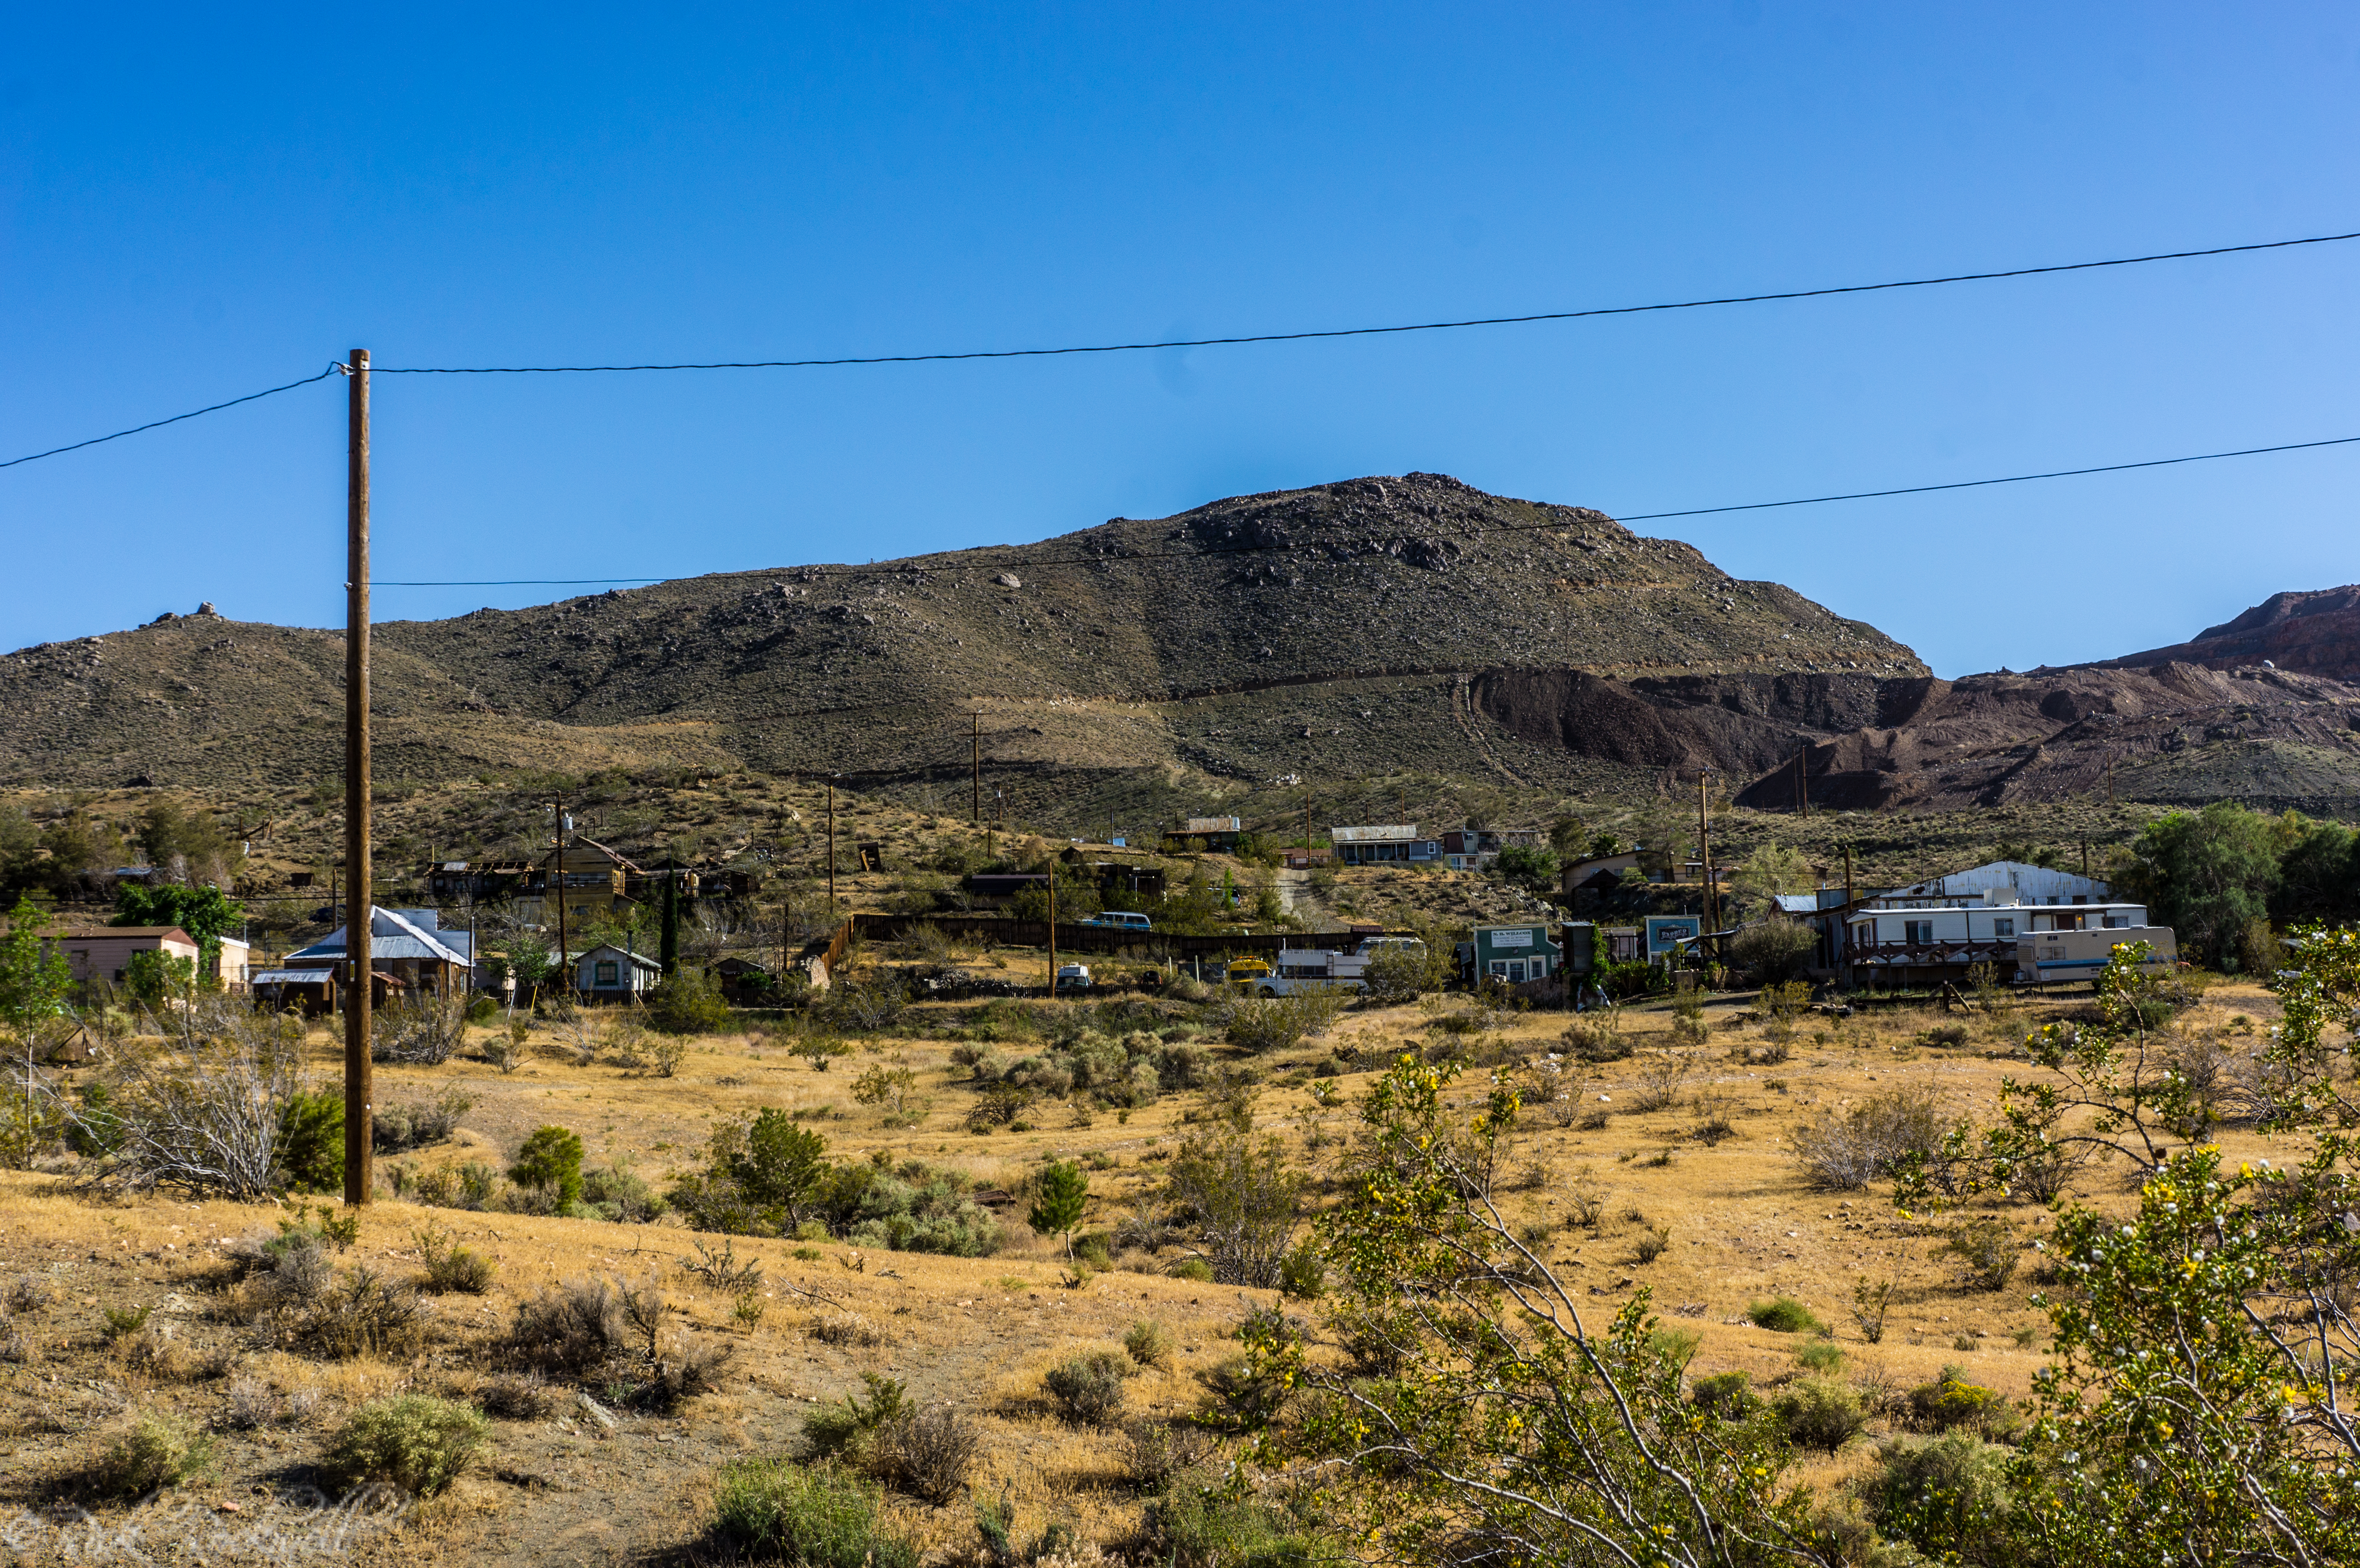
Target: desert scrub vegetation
815	1516
611	1334
924	1450
1845	1148
765	1174
1088	1388
411	1441
155	1451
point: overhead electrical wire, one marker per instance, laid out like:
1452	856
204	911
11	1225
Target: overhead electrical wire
906	565
1362	332
947	356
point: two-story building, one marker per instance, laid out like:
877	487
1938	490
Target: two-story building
592	878
1937	930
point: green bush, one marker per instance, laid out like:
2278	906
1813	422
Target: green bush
817	1517
689	1001
552	1159
1149	1343
1948	1497
1988	1246
1786	1315
1822	1355
1195	1268
158	1451
1952	1402
1198	1524
1087	1387
411	1441
312	1141
1729	1395
1820	1412
617	1192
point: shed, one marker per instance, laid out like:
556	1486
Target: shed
1515	954
609	973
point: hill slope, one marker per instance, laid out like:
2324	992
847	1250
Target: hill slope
1333	631
2316	632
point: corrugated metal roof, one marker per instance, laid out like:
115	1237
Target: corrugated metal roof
290	976
1397	832
1213	824
391	935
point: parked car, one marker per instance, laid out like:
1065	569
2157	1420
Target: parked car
1121	919
1073	977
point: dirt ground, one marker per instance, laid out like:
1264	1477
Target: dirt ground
1743	1226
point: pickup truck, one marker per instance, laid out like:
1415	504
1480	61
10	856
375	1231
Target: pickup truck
1073	977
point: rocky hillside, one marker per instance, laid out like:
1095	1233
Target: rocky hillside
2317	632
1331	632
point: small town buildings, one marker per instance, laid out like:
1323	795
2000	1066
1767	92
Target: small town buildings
1597	874
1935	930
102	954
1667	935
592	878
611	973
1382	844
1309	858
476	882
1211	835
409	951
1468	849
1113	876
999	886
1515	953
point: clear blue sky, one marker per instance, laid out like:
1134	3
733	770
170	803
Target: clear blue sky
196	203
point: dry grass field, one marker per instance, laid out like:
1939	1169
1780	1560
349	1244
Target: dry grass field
1711	1171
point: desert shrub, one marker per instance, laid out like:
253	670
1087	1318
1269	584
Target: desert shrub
28	1293
1596	1037
203	1110
1727	1395
847	1429
617	1192
688	1001
312	1141
1988	1246
1820	1355
1951	1035
1871	1300
1951	1402
1820	1413
1948	1497
411	1441
159	1450
1661	1075
1784	1314
868	1004
364	1313
1245	1201
1401	975
449	1267
1195	1268
1154	1452
1241	1395
396	1128
814	1517
1774	949
926	1454
568	1330
1278	1023
424	1031
1200	1525
550	1160
250	1403
1087	1387
1653	1244
1149	1343
517	1396
846	1328
1850	1146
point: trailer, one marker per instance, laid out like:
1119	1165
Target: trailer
2051	956
1314	968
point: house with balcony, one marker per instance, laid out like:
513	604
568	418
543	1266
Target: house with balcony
1385	844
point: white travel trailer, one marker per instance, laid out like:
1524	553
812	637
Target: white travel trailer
2045	956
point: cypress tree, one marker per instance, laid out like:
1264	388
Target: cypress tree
668	948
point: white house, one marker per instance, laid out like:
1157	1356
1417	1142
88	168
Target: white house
610	975
1939	927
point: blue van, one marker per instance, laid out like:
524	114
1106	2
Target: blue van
1121	920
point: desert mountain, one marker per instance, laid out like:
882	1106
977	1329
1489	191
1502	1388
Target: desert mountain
2317	632
1334	631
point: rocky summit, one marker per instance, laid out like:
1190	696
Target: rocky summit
1336	630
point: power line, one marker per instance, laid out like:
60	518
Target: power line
158	424
1365	332
1030	562
1224	342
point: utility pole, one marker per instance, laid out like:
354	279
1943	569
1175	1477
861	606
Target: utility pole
1052	928
975	789
1704	854
1802	782
358	920
1848	903
831	846
557	883
1307	827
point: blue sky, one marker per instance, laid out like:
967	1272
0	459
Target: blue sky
194	205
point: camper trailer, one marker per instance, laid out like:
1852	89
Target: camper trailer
2051	955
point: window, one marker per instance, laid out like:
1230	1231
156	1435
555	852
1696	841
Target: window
2003	928
2115	922
606	972
1917	931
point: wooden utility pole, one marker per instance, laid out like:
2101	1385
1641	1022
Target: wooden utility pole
1848	903
358	906
1307	827
831	848
975	789
557	887
1052	928
1704	854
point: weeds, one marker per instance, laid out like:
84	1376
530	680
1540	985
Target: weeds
1871	1300
1784	1314
411	1441
1088	1388
450	1268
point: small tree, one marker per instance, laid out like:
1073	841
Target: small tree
205	913
1057	1210
550	1158
1244	1200
35	980
531	960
